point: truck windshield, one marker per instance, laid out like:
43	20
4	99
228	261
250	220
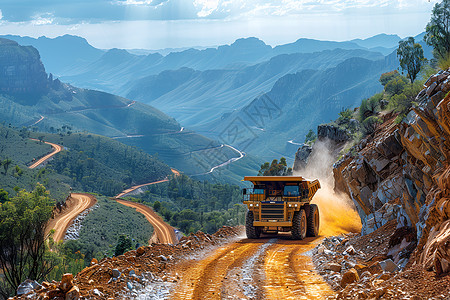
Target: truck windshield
258	192
291	191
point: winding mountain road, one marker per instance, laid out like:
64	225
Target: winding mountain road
133	188
269	268
56	149
164	232
77	204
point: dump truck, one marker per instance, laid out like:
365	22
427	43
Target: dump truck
281	204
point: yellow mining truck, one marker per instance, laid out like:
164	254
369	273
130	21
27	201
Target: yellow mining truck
281	203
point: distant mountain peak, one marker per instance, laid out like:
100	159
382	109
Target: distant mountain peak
5	42
249	42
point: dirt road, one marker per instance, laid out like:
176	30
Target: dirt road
76	205
164	232
56	149
269	268
133	188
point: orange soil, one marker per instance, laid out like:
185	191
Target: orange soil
56	149
164	232
287	273
76	205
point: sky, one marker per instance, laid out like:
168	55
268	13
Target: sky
157	24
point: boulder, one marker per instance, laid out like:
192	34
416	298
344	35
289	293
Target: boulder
66	282
349	277
333	267
361	268
73	294
388	265
27	286
350	251
140	251
116	273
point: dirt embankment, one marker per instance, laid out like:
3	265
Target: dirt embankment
75	205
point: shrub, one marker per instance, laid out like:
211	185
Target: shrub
370	124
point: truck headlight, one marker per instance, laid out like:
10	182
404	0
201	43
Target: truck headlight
257	204
290	205
296	205
251	205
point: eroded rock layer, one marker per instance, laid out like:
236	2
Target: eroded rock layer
402	173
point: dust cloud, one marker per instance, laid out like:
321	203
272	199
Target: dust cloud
337	211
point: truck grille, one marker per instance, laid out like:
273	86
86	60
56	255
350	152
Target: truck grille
272	211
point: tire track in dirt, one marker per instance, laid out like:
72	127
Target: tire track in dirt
267	268
204	279
289	272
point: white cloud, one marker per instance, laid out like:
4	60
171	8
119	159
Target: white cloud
42	19
263	8
1	15
140	2
206	6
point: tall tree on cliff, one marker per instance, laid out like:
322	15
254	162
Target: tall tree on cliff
22	238
411	57
438	30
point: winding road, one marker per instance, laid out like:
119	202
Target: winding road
56	149
164	232
133	188
76	205
269	268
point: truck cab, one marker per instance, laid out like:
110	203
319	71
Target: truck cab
281	203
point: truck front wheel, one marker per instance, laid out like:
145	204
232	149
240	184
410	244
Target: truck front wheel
251	231
299	224
313	220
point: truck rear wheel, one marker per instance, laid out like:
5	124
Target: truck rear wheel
313	220
299	224
251	231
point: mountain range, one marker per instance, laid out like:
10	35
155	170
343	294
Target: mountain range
31	98
207	90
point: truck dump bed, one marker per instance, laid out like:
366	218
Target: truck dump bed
276	183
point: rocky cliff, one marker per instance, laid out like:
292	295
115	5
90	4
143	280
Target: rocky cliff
401	173
21	70
335	136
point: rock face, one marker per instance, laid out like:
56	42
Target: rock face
333	133
21	70
325	134
301	157
402	171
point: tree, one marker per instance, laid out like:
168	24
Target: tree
4	196
22	238
123	245
438	30
6	164
411	57
275	168
311	136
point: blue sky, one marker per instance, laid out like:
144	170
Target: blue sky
154	24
